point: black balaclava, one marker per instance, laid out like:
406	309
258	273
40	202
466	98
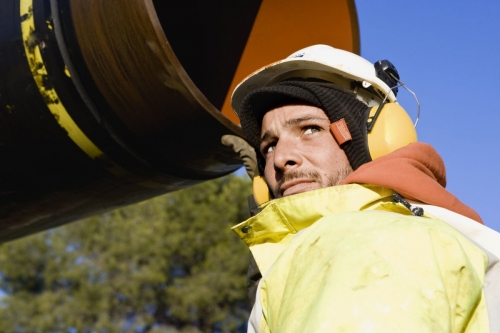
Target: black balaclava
334	100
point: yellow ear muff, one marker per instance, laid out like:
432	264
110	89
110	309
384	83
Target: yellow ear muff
392	130
261	192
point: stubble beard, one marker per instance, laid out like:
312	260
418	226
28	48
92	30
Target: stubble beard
333	180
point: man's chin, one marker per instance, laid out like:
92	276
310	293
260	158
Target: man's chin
300	188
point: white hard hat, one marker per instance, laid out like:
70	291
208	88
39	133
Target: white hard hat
320	62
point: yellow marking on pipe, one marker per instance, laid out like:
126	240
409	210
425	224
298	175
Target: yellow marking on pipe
52	100
39	72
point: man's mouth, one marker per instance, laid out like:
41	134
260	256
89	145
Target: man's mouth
295	186
293	182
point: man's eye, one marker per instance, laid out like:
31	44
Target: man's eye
270	148
267	147
311	130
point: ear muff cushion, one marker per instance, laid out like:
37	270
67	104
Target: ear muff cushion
392	130
261	192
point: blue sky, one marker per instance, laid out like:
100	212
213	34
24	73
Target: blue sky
448	53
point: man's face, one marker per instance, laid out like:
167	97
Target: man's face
300	151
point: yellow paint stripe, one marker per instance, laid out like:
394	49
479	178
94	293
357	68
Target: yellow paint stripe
52	100
39	71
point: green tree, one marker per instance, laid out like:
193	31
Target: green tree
170	264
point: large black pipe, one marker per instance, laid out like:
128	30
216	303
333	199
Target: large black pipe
106	103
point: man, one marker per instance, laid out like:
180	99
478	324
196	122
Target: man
359	236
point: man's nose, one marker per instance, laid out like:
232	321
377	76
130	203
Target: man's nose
286	155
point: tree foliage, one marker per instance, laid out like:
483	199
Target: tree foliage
170	264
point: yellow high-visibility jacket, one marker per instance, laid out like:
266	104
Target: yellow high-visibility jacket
349	259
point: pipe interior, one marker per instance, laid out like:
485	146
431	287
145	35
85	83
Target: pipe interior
208	38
